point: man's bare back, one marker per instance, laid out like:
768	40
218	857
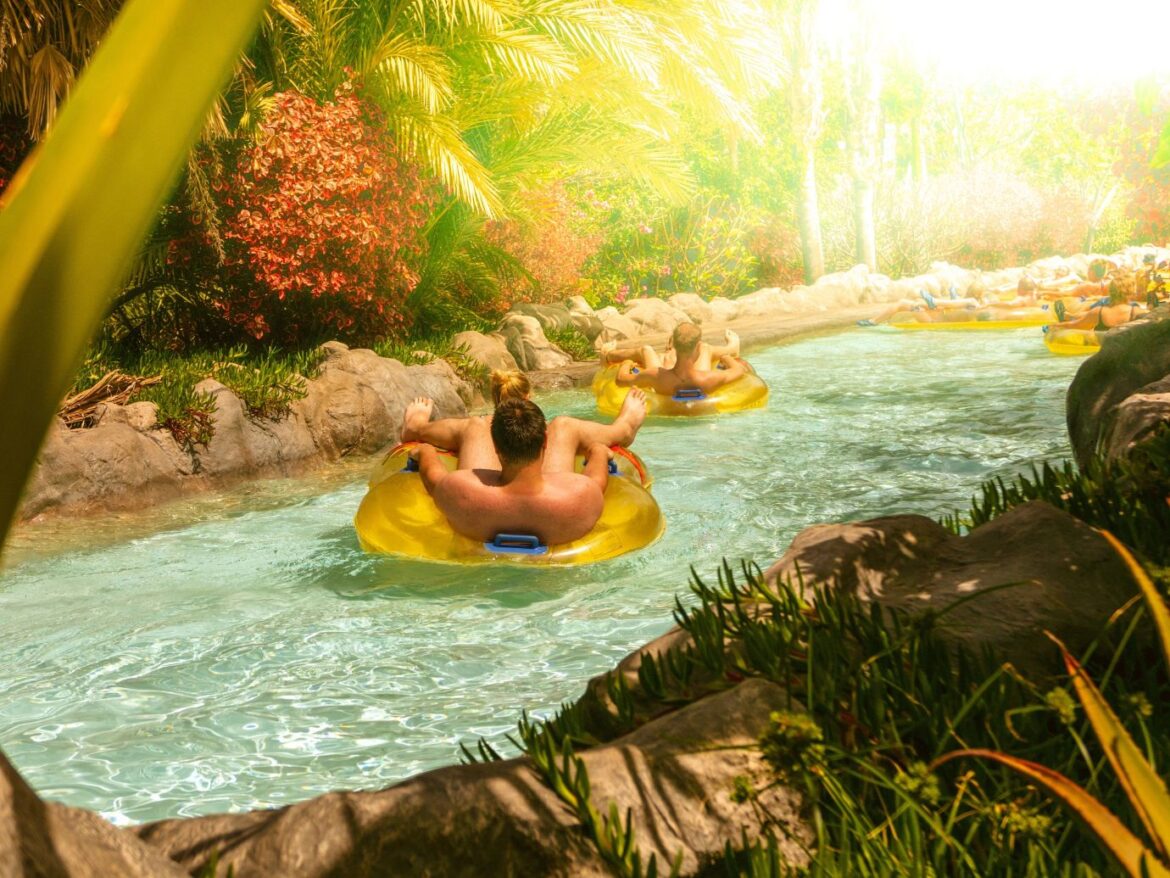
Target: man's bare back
494	491
557	508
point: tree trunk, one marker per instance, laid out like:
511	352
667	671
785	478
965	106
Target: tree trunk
806	104
918	148
809	221
863	222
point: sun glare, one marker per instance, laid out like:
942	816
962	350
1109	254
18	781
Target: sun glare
1019	40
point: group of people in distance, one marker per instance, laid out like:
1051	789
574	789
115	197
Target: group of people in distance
1112	296
517	472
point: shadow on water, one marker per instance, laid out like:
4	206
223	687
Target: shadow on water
339	565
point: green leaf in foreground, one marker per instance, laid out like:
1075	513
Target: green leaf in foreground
1143	787
77	211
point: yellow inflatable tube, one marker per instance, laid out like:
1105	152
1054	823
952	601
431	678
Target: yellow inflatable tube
1024	318
1072	342
748	392
398	517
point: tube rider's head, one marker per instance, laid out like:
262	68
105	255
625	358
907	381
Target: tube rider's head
685	341
518	433
1116	293
509	384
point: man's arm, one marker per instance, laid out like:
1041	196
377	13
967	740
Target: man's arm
430	467
732	369
626	376
597	465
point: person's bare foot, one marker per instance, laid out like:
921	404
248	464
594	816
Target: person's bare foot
416	416
732	340
633	412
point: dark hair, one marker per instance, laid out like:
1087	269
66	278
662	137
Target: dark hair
518	430
686	338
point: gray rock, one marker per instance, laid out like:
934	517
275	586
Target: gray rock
911	563
355	404
1136	417
487	350
675	775
527	343
1131	358
654	315
142	416
693	306
44	839
617	326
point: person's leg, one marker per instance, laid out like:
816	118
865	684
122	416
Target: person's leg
610	353
417	426
477	450
709	354
568	437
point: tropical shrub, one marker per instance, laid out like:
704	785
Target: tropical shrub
653	249
322	224
1149	202
551	240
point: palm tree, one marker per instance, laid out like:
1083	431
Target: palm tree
43	46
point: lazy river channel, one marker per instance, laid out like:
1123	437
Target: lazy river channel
250	655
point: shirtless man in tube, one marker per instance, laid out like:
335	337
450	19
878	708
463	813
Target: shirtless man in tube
516	473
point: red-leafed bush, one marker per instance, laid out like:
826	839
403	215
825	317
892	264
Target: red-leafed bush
552	250
322	223
1149	202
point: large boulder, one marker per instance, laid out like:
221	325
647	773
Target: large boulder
655	315
617	327
693	306
723	310
910	563
110	466
551	317
1132	358
761	303
675	775
527	343
45	840
129	461
489	351
1136	418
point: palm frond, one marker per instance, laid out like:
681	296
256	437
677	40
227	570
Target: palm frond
439	144
521	53
410	66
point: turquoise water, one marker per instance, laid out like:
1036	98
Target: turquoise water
251	655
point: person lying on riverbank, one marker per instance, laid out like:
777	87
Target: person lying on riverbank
646	357
687	371
516	474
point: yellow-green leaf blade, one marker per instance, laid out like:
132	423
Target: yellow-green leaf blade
1159	612
1146	791
1126	847
76	213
